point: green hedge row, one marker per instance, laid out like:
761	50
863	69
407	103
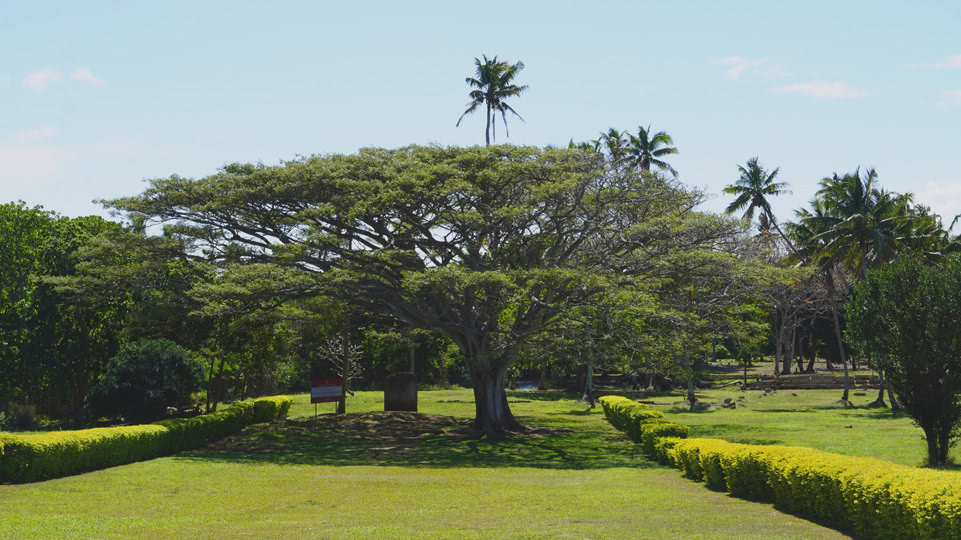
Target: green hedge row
869	497
26	458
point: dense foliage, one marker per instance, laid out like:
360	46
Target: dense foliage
906	315
53	345
145	379
488	247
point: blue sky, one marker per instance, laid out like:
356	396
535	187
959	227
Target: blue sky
96	98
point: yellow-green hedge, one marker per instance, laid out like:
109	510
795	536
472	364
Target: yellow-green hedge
869	497
25	458
628	415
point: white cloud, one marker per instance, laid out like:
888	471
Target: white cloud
951	97
739	69
776	71
39	80
943	197
738	64
731	60
823	90
31	135
951	62
85	75
25	164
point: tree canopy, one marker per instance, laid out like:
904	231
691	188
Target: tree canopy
485	246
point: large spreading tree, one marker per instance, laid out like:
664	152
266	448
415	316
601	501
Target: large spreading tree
486	246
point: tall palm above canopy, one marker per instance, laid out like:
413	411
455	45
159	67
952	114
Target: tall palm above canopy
864	226
493	84
616	144
649	148
753	190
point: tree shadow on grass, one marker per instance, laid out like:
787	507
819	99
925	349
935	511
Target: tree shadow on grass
419	440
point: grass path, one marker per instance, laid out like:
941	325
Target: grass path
384	477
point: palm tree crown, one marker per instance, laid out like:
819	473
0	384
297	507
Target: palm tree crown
753	189
863	225
493	83
648	148
616	144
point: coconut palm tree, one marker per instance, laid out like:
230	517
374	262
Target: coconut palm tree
648	148
753	190
616	144
865	226
857	226
493	84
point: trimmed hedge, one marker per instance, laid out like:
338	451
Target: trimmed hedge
628	416
26	458
869	497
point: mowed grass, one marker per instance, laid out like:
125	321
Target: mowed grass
377	476
802	418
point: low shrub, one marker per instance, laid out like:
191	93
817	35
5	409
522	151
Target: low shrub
20	416
26	458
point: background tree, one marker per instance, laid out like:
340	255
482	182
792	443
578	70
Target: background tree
855	226
493	83
53	345
906	315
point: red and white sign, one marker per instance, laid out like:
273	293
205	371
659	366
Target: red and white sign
325	390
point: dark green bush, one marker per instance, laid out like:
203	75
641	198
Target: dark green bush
144	379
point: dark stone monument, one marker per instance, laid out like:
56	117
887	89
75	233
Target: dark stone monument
400	392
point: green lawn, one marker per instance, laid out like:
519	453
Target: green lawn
802	418
398	476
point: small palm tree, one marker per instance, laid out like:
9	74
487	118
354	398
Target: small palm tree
493	83
753	189
649	148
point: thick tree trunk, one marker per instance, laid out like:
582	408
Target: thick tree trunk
493	414
895	404
588	396
879	402
812	352
787	344
938	445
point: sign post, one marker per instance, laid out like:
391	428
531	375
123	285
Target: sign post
325	391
